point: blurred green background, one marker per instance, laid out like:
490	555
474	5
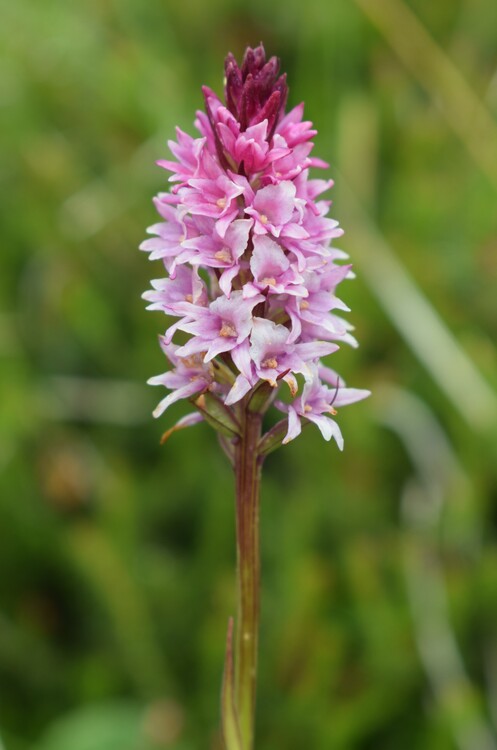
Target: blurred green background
379	621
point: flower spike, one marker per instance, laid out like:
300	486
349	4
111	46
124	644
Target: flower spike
248	250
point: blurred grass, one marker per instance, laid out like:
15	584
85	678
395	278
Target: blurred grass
117	555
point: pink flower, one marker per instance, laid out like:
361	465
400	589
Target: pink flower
272	270
219	328
246	241
278	211
177	296
318	404
211	250
189	376
275	357
187	151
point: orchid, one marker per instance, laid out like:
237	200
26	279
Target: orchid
245	212
252	276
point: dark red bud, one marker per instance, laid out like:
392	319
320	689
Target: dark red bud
254	92
219	146
253	60
270	112
233	84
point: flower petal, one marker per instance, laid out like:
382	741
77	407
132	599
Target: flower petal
294	426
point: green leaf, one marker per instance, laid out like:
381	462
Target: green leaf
273	439
261	397
116	726
219	416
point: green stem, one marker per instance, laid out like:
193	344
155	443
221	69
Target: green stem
247	474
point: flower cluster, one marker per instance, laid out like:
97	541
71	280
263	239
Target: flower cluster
246	242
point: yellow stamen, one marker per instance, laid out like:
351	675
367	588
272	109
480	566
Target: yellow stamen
307	408
221	202
292	384
224	255
263	219
270	363
270	281
304	305
189	298
194	360
227	330
332	411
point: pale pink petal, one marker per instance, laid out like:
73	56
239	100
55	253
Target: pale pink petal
237	235
268	259
226	280
346	396
218	346
315	349
294	426
224	222
276	202
240	387
184	392
328	428
242	359
189	420
266	336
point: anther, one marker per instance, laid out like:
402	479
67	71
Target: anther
227	330
271	363
224	255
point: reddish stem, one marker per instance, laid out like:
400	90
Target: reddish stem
247	473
